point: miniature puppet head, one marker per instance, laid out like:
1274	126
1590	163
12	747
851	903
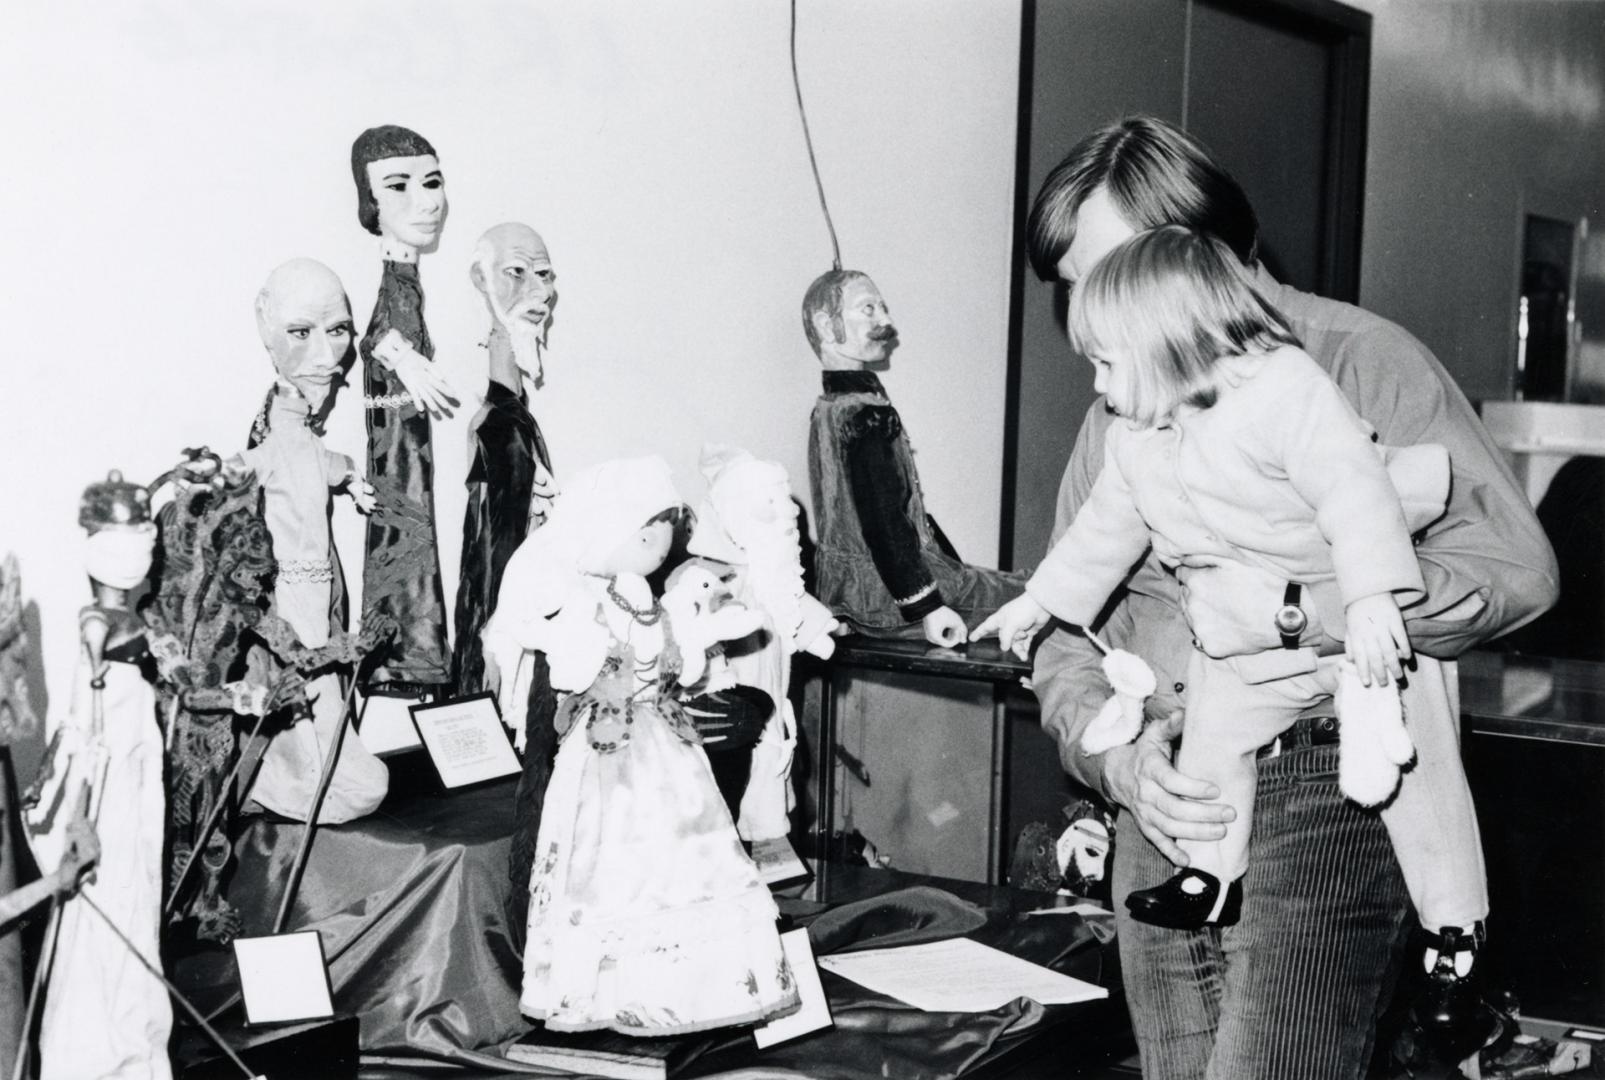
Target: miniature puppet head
122	536
513	271
305	322
847	321
401	192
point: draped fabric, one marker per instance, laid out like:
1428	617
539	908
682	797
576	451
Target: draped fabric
410	906
401	573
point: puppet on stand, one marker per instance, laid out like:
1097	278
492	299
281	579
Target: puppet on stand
105	1014
749	522
883	565
645	914
510	489
305	324
401	198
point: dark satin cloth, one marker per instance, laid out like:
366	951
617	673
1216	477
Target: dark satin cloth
507	447
401	573
410	904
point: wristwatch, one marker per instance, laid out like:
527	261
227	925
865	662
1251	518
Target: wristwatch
1290	618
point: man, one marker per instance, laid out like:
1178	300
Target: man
882	563
1296	986
510	488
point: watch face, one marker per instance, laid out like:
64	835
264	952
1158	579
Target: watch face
1291	620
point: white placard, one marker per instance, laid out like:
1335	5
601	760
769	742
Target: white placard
815	1011
958	975
465	740
283	978
385	725
777	861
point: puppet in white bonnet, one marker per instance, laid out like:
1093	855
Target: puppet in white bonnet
645	916
749	521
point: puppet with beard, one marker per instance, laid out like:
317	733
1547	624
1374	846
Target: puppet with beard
884	566
749	522
510	488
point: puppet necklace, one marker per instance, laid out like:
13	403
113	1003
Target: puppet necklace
644	616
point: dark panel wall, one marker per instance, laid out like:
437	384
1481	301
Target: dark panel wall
1093	60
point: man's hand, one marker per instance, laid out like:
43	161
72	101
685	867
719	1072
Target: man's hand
1164	802
1016	625
1376	640
430	391
944	627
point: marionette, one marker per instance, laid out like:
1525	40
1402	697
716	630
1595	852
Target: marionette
645	914
401	198
304	321
105	1013
748	521
883	565
510	488
208	608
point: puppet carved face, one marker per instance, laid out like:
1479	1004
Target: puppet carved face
513	271
755	506
410	193
305	322
858	334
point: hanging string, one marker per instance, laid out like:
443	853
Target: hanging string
835	248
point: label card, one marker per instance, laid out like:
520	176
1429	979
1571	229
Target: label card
466	740
283	977
815	1011
385	725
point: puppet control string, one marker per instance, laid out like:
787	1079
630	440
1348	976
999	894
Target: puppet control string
836	251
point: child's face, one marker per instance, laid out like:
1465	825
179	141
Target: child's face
1111	376
643	551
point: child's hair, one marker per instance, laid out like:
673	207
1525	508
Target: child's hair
1173	301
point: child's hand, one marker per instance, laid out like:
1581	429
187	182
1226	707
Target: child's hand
1376	640
1014	624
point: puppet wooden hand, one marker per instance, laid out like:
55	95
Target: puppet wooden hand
362	494
429	389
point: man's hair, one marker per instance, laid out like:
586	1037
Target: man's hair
825	294
1172	302
1156	174
377	144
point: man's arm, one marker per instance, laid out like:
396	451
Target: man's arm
1487	565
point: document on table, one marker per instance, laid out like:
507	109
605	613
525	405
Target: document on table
957	975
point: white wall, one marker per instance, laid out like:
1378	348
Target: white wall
160	158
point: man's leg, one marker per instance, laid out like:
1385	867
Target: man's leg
1309	968
1172	977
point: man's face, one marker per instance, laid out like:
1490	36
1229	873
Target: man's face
868	335
1099	230
305	323
411	195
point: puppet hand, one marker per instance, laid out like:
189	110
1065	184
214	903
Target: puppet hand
1015	624
945	627
362	494
1376	639
824	645
429	389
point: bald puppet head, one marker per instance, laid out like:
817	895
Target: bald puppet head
304	320
513	271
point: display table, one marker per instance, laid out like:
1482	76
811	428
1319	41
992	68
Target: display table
411	904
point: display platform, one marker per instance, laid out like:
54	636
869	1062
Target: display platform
412	903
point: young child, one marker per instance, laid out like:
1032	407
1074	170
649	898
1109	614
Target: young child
1237	447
